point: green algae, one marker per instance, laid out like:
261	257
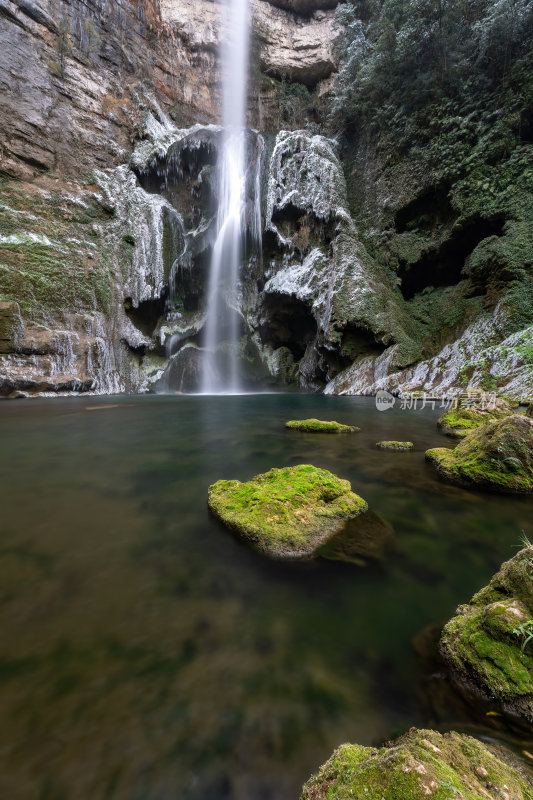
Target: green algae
496	456
421	763
320	426
288	512
481	647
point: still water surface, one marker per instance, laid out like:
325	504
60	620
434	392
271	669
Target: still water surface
146	654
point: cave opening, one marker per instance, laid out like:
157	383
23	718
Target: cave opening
287	322
443	266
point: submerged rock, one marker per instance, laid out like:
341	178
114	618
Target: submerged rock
286	513
485	646
362	539
420	764
473	410
320	426
395	445
497	456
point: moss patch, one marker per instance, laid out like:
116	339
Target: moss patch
481	645
320	426
52	257
395	445
420	764
496	456
288	512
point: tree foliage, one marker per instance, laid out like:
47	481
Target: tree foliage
399	56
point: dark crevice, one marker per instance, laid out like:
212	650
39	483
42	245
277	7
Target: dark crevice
426	212
270	249
359	342
147	315
525	127
303	228
289	214
191	281
355	343
443	266
287	322
185	173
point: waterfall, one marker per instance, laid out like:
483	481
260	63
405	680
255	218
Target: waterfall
221	365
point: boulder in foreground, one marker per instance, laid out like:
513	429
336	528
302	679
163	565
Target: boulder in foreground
286	513
486	645
497	456
320	426
418	765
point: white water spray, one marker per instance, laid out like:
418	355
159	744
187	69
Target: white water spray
221	368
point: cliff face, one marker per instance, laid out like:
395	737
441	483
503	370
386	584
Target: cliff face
79	254
72	72
374	274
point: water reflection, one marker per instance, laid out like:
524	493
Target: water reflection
147	653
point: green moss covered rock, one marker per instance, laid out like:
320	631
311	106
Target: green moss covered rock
395	445
420	764
320	426
286	513
474	409
485	645
498	456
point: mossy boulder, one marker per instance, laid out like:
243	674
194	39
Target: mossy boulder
420	764
286	513
474	409
320	426
498	456
483	647
395	445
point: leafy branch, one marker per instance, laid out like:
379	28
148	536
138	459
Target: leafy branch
525	630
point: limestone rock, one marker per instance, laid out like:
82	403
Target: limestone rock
325	302
298	48
420	764
484	645
484	351
286	513
497	456
292	47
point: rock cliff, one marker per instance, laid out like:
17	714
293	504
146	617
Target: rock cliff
371	276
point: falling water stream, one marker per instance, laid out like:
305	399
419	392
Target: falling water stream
221	372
